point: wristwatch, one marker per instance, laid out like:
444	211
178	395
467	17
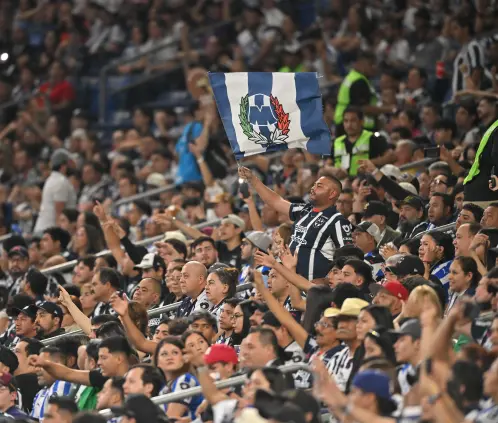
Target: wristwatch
433	398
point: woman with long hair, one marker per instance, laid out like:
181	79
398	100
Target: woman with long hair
87	241
463	279
169	357
437	252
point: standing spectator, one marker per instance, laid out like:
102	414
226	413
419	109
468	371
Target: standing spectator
59	90
58	193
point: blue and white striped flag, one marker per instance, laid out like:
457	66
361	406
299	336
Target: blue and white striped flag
264	112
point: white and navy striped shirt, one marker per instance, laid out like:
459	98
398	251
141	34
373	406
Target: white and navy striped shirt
471	55
59	388
316	235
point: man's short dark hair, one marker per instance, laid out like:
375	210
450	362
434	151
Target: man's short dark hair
60	235
446	125
151	375
117	384
68	346
202	239
33	346
92	349
361	268
64	403
403	132
474	228
109	329
108	275
356	110
71	214
54	353
447	199
204	315
117	344
163	152
177	326
267	337
178	245
88	261
143	206
233	302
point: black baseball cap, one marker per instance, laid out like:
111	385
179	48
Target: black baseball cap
9	359
407	265
413	201
18	250
29	311
51	308
139	407
374	208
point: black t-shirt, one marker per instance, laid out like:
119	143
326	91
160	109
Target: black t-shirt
97	380
28	386
230	257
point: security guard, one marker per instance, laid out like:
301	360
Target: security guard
358	144
356	90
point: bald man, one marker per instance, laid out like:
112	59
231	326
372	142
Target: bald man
319	229
193	286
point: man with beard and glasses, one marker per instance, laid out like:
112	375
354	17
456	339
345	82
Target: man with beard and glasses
49	320
17	266
319	228
411	213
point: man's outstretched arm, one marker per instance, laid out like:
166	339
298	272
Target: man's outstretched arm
61	372
268	196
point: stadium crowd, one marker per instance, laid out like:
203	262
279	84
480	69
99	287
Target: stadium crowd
357	287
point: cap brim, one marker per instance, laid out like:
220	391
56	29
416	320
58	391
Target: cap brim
143	266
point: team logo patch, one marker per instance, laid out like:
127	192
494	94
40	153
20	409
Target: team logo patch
320	222
204	306
263	120
184	385
346	228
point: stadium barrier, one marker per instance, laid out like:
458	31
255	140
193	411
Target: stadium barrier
222	384
64	267
151	313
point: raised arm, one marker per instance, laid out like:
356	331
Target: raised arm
284	317
134	335
268	196
79	317
61	372
165	218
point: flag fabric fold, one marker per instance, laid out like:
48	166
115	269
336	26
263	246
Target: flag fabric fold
264	112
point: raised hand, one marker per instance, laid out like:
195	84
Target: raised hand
262	259
119	304
367	166
246	173
289	260
99	211
64	297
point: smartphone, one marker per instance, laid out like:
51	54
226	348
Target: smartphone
432	152
244	189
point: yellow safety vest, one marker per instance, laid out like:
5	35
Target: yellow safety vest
343	98
361	150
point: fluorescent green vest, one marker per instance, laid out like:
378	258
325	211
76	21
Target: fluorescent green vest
361	149
343	98
474	170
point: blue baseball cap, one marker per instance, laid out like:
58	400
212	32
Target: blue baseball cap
373	382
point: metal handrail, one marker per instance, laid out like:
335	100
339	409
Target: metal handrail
71	264
144	194
107	68
419	163
150	313
443	228
222	384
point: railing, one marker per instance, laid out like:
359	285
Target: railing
64	267
222	384
151	313
142	195
417	164
443	228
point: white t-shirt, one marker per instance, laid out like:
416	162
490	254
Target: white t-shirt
57	188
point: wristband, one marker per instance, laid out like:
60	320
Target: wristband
202	368
200	160
433	398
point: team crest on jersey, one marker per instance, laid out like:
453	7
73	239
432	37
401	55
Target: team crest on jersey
184	385
204	306
347	228
263	120
320	222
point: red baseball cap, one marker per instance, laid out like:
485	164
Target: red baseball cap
220	353
395	288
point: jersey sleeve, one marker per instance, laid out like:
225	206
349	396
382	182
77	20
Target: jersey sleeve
342	233
182	383
295	210
97	380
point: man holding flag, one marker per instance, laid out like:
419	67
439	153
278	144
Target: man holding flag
319	229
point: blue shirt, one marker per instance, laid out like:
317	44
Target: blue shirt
188	170
40	402
182	383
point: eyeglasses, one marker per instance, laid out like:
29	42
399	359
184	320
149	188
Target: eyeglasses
439	182
236	316
324	324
